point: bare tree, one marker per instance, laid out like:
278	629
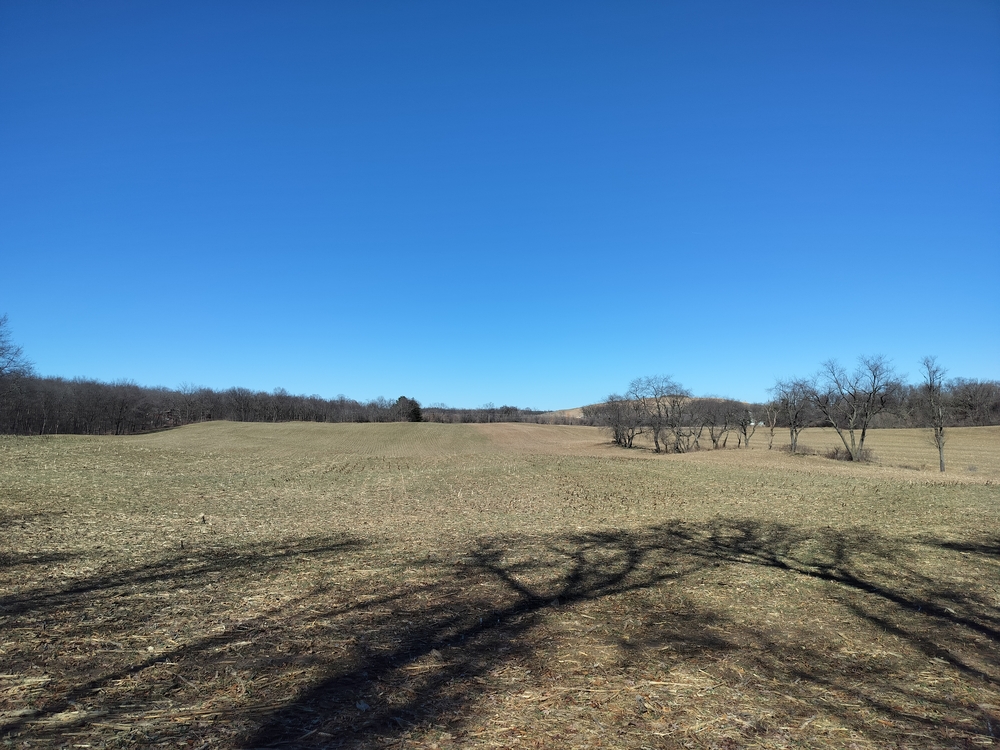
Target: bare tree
126	397
933	388
771	411
241	403
792	398
849	401
975	402
188	401
719	416
684	421
488	412
13	368
746	426
651	396
12	361
619	414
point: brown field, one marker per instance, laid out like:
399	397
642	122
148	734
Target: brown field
365	586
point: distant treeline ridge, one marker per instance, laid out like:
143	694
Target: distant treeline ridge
849	401
31	405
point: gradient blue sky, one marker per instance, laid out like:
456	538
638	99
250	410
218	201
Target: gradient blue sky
527	203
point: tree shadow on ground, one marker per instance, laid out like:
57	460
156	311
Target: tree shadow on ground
989	546
426	663
172	571
91	631
384	644
456	643
11	560
12	522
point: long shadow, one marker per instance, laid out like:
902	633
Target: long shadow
989	546
599	566
173	571
774	546
57	613
11	560
360	660
949	623
456	642
14	521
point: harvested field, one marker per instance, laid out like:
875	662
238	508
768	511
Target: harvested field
366	586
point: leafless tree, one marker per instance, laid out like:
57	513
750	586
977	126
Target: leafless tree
242	403
771	410
933	391
188	402
719	416
13	366
684	421
975	402
849	401
651	396
620	415
746	426
793	400
126	416
12	361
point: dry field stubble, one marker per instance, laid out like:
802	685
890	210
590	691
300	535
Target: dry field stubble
237	586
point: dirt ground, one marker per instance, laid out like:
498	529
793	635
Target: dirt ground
366	586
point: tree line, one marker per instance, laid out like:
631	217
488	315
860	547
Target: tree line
491	413
34	405
851	401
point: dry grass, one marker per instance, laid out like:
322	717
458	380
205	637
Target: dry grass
967	450
238	586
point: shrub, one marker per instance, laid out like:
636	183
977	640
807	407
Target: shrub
866	456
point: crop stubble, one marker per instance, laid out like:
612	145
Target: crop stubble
233	585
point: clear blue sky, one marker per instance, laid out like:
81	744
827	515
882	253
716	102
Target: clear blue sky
527	203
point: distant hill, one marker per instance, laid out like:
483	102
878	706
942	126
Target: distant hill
573	415
576	413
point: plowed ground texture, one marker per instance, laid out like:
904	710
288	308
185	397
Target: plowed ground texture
516	586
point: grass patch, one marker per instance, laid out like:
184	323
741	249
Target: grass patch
228	585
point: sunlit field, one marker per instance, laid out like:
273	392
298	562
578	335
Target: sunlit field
509	585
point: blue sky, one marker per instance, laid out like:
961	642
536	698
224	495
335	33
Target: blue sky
524	203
